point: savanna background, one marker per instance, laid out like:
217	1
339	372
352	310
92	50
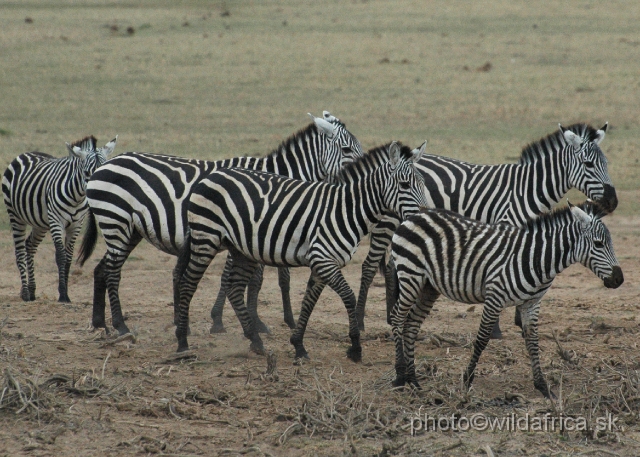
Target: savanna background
210	79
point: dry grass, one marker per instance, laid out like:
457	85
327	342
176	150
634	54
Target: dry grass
220	79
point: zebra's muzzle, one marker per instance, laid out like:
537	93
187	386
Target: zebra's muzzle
609	201
615	280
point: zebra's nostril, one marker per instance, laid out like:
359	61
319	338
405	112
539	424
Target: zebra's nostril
616	279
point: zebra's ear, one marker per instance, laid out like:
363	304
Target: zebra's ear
329	117
416	154
325	127
582	217
571	138
77	152
394	154
109	147
600	133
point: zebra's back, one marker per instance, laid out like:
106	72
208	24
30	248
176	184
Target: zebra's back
269	218
27	181
457	255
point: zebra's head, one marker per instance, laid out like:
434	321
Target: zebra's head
340	147
588	165
89	155
595	248
404	191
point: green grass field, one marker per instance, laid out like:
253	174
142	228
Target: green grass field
219	79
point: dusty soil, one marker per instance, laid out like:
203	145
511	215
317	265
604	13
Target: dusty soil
70	390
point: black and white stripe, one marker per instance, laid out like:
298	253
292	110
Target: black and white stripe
48	194
439	252
509	193
266	219
138	196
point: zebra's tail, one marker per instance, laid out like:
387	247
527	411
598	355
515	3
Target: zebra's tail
89	240
183	260
392	289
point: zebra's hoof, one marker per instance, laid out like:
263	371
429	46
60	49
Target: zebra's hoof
496	333
182	348
355	354
398	382
217	328
262	328
258	348
413	382
290	323
122	330
301	353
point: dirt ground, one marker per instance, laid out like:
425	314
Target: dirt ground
67	389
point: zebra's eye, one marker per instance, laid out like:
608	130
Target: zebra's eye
404	185
588	164
347	150
598	244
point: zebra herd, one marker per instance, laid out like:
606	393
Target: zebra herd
474	233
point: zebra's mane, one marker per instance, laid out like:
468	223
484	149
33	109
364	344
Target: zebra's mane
290	143
541	148
563	213
88	143
373	158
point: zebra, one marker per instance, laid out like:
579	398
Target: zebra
48	194
268	219
439	252
509	193
140	196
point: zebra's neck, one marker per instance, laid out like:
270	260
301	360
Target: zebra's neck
542	184
553	239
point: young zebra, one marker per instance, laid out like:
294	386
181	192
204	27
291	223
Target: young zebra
48	194
267	219
440	252
508	193
143	196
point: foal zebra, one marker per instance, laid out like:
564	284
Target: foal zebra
143	196
267	219
508	193
439	252
48	194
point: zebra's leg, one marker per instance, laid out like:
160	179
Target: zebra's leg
315	287
391	287
496	333
195	257
98	319
253	288
414	320
529	315
331	275
242	273
403	299
61	259
490	314
19	232
380	240
35	238
284	281
113	262
71	234
218	306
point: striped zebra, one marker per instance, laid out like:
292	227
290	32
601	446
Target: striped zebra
48	194
140	196
267	219
439	252
508	193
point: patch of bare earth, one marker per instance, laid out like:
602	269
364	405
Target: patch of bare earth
66	389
